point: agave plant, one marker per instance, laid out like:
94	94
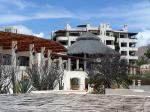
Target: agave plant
24	86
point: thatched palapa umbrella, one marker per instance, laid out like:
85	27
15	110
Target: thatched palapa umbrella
89	43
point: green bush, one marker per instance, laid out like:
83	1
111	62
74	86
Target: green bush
139	77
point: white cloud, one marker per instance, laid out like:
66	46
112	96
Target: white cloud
29	11
12	18
41	34
24	30
21	4
136	15
143	38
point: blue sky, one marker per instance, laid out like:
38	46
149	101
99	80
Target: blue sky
43	16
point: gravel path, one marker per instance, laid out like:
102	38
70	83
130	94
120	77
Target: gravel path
73	103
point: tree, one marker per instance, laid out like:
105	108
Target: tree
141	61
108	71
44	77
147	54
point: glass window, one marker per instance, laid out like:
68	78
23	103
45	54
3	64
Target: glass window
6	59
23	61
72	42
74	34
121	36
124	53
109	42
63	42
123	44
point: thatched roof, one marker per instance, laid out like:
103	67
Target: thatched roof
89	43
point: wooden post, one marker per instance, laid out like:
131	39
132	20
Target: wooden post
31	53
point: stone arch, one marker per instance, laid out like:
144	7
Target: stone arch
75	83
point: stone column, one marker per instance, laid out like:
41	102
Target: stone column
69	64
61	72
60	63
82	84
14	64
77	64
134	71
36	59
49	58
139	82
85	62
131	70
13	54
1	55
42	56
31	55
133	82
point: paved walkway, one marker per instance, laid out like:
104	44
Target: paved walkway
73	103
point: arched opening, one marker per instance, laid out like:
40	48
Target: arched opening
75	83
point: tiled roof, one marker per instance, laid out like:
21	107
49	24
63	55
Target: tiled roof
23	42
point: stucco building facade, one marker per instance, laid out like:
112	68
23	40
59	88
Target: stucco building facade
120	40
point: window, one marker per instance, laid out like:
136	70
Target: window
132	44
107	34
74	34
121	36
132	62
124	53
72	42
23	61
132	53
95	33
123	44
64	42
109	42
6	59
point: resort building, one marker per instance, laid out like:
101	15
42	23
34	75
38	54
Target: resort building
11	29
22	51
122	40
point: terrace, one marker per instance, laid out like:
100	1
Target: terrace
73	102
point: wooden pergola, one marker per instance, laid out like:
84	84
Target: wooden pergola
28	45
23	42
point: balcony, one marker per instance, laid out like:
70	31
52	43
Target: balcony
62	38
133	49
123	48
111	46
128	40
133	57
133	40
